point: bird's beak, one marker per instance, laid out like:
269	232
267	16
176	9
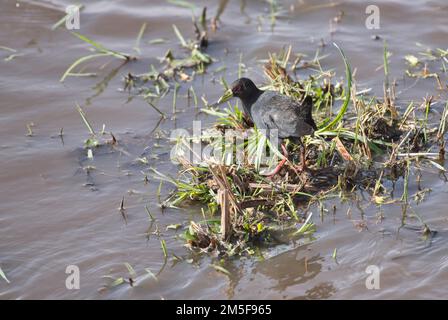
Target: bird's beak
226	96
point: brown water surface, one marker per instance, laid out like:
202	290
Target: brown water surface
53	214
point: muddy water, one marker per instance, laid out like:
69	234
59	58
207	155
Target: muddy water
53	214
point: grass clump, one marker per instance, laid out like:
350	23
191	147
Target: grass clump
367	143
155	83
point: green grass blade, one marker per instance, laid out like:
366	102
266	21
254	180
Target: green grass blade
385	60
7	49
117	282
139	37
335	253
182	3
149	213
165	251
179	36
220	269
101	48
84	118
348	74
3	275
81	60
131	270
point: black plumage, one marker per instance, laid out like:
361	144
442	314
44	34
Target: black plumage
272	110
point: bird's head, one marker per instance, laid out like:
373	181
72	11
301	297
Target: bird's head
242	88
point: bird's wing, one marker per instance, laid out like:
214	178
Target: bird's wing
284	114
288	123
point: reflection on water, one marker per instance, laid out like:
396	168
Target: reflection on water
321	291
102	85
59	207
289	269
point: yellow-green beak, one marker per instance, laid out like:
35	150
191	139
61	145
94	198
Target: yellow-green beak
226	96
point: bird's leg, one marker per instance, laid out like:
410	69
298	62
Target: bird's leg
302	167
303	155
281	164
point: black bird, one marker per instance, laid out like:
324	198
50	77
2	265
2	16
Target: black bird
272	110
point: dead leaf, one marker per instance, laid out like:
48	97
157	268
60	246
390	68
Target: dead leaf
344	153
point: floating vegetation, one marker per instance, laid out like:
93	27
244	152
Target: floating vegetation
13	53
98	140
132	278
29	127
100	52
428	64
155	83
368	145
